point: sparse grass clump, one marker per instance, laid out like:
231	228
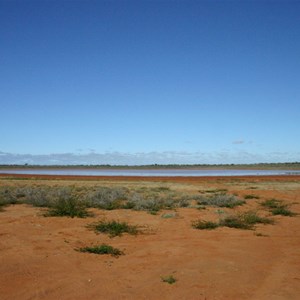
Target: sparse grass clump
102	249
114	228
277	207
200	224
170	279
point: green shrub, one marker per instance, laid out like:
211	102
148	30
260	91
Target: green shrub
283	211
200	224
8	196
250	196
114	228
272	203
66	204
102	249
170	279
277	207
245	220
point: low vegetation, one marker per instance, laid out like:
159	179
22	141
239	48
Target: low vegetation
64	203
201	224
251	196
113	228
278	207
221	200
170	279
245	220
102	249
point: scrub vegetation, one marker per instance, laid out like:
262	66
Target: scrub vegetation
74	201
102	249
113	228
278	207
244	220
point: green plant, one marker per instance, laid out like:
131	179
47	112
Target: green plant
272	203
66	204
277	207
216	191
245	220
170	279
200	224
250	196
169	215
114	228
283	211
102	249
8	196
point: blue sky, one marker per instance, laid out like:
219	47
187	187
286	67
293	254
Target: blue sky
139	82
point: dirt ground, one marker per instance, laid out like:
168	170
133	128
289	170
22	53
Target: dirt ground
38	258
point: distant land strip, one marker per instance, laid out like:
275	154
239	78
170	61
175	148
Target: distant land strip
258	166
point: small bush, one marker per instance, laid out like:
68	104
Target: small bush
216	191
245	220
283	211
65	204
114	228
250	196
200	224
169	279
107	198
272	203
277	207
221	200
102	249
8	196
39	197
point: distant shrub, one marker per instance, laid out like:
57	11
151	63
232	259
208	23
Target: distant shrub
250	196
39	197
272	203
113	228
170	279
107	198
221	200
200	224
66	204
8	196
283	211
277	207
102	249
245	220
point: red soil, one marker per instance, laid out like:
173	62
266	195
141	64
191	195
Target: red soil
38	260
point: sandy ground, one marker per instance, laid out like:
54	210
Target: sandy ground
38	260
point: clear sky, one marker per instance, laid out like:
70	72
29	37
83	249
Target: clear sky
139	82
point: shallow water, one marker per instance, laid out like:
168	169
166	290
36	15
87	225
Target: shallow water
146	172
